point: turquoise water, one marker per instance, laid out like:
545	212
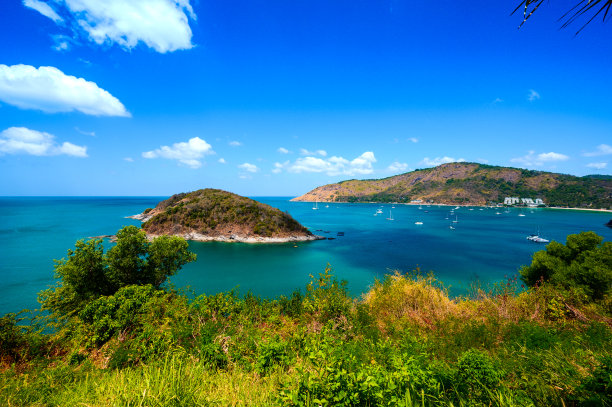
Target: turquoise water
484	246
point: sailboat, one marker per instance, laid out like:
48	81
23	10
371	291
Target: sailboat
456	219
316	206
390	216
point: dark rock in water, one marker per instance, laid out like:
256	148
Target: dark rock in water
609	224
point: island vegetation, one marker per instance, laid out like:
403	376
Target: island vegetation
472	184
213	214
115	334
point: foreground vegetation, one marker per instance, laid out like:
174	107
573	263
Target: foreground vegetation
404	343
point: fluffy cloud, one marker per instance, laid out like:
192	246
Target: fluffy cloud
598	166
433	162
413	140
248	167
160	24
50	90
397	167
602	149
535	160
188	153
322	153
235	143
222	161
283	150
21	140
533	95
331	166
44	9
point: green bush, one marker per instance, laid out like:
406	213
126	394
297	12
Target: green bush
583	263
106	316
89	273
477	377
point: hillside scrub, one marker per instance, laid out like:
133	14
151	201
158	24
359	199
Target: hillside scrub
404	343
215	212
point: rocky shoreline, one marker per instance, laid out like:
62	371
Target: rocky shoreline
233	238
198	237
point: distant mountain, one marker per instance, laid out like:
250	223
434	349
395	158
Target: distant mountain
471	184
213	214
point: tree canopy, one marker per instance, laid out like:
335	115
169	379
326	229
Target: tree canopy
584	262
88	272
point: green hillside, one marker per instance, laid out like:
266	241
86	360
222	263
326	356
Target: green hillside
472	184
215	212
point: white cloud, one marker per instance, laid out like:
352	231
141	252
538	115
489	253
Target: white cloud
397	167
44	9
532	159
86	133
547	157
322	153
602	149
162	25
129	159
283	150
434	162
333	165
21	140
413	140
50	90
222	161
497	100
599	166
188	153
278	167
235	143
533	95
248	167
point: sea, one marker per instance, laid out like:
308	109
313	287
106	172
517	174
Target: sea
486	246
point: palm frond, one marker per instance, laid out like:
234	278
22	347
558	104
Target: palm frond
584	8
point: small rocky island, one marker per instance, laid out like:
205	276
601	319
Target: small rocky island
213	214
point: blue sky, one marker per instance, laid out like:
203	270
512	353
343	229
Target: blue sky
273	97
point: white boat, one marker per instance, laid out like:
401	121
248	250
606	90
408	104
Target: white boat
378	211
327	206
451	227
418	223
537	239
316	206
521	214
456	219
390	216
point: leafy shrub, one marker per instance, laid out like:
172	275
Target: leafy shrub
597	388
106	316
12	339
584	262
326	297
89	273
272	354
476	376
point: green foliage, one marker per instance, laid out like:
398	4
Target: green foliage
584	263
477	376
272	353
326	297
12	340
106	316
597	389
89	273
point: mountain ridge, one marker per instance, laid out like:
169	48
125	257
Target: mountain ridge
471	184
